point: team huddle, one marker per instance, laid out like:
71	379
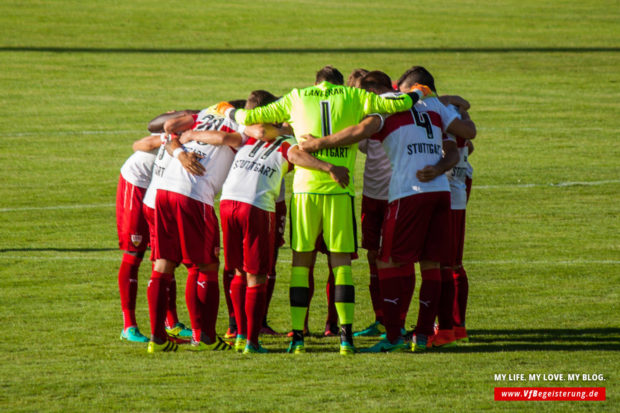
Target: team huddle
416	185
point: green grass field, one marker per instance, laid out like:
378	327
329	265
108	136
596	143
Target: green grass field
79	81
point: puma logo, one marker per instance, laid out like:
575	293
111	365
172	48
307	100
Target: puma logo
201	283
394	301
427	304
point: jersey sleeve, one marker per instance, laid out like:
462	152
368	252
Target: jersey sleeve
276	112
374	103
284	148
447	114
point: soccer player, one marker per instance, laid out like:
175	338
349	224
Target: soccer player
187	231
460	186
132	228
247	210
377	173
415	227
318	203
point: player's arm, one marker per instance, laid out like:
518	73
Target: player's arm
461	104
447	161
156	125
348	136
463	128
267	131
276	112
470	146
212	137
146	144
189	160
373	103
179	124
340	174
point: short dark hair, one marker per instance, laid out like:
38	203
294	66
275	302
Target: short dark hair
417	74
355	76
259	98
375	80
329	74
238	104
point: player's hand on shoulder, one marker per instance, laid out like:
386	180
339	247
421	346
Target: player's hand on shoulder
191	162
422	90
340	174
428	173
310	143
223	108
185	137
461	104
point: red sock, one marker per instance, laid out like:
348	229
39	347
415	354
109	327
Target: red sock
392	284
158	303
430	290
209	296
375	293
461	290
408	293
446	300
310	294
237	294
255	310
128	288
330	290
270	286
227	277
193	304
171	316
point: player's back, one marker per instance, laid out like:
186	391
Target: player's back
215	159
256	174
413	140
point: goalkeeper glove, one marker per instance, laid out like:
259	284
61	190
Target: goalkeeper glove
225	109
422	91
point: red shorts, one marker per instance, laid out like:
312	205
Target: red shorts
373	212
186	230
280	222
458	235
249	237
149	215
417	228
132	228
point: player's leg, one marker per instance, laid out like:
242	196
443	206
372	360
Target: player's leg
133	237
272	275
227	278
167	254
331	323
445	333
339	233
200	244
305	227
461	283
373	211
434	252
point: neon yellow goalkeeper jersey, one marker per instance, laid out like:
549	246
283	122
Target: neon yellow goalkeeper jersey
321	110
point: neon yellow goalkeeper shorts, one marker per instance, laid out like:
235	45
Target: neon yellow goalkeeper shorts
331	216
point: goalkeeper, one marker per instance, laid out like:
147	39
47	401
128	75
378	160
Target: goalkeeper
320	205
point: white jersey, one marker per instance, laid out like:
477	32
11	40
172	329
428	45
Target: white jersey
161	162
456	175
215	159
257	171
412	140
138	168
377	169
